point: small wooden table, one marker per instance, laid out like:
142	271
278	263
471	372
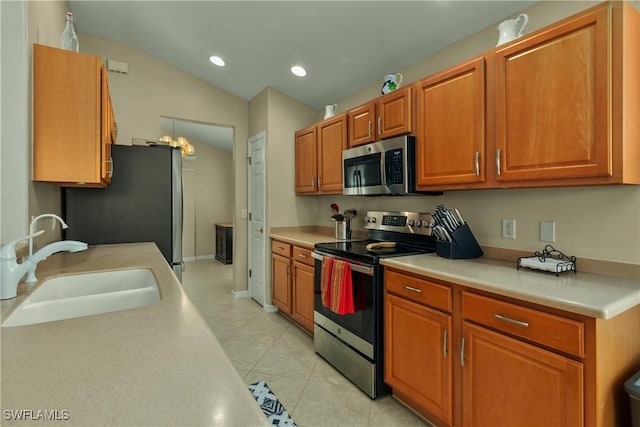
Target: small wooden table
224	243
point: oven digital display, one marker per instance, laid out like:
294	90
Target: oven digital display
395	220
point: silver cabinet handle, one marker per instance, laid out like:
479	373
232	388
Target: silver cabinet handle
313	182
444	343
280	248
110	171
477	162
379	125
369	128
498	161
462	352
412	289
319	181
302	255
512	321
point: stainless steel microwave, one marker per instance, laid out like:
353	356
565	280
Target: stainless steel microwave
381	168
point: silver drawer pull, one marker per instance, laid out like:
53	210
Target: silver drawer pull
512	321
412	289
302	255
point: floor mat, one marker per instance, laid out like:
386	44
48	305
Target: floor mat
272	408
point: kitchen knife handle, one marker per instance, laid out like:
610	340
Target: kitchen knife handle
498	161
477	163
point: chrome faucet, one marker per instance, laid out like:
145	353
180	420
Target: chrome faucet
11	272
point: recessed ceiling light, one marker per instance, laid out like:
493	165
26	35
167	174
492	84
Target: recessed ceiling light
298	71
217	60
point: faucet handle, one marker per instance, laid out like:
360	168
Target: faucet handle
8	251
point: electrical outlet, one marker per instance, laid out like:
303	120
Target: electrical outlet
508	228
547	231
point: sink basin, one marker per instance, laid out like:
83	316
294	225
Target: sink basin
77	295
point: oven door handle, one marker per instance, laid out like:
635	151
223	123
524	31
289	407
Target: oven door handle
358	268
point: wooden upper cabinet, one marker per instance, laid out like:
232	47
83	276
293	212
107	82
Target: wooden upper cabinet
395	113
72	115
451	126
319	156
305	160
560	112
332	139
388	116
362	124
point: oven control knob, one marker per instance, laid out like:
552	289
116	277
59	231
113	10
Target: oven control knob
418	223
373	219
411	222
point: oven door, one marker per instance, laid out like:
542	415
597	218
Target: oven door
358	329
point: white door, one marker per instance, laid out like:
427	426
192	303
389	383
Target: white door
257	241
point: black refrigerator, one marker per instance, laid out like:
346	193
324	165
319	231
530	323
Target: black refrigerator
143	203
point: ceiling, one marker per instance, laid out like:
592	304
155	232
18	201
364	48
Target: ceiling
344	45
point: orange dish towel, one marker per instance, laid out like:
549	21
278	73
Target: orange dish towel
325	281
341	289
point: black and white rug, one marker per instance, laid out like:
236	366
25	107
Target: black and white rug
272	408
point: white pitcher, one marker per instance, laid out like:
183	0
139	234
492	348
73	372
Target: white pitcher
330	110
391	82
511	29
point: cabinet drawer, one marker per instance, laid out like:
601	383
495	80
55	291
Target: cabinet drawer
419	290
303	255
281	248
553	331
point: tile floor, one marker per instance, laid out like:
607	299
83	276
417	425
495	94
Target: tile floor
266	346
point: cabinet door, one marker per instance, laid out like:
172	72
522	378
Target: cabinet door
509	383
395	113
332	139
552	105
362	126
107	126
303	283
418	355
66	117
305	160
281	282
451	126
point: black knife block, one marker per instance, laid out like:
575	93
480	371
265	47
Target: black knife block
462	246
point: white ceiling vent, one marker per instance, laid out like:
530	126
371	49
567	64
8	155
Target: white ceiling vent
117	66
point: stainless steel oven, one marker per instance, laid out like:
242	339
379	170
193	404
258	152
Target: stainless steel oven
353	343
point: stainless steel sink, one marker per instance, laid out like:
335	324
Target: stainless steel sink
85	294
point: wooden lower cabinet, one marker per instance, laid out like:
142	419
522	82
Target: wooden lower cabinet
303	282
464	357
281	282
418	362
507	382
292	282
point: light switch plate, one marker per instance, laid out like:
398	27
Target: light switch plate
547	231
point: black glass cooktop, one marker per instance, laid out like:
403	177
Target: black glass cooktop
356	250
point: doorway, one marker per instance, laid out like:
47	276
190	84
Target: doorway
256	233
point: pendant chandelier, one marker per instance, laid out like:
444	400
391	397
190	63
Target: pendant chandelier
186	148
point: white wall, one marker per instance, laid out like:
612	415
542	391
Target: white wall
153	89
14	121
591	222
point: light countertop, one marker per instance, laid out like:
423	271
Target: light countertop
583	293
155	365
308	236
592	295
